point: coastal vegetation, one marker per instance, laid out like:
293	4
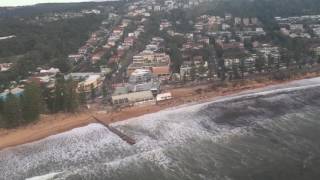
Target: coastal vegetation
48	44
16	110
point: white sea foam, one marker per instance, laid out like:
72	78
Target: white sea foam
153	133
156	156
181	111
49	176
69	148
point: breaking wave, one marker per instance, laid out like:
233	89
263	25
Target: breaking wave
265	134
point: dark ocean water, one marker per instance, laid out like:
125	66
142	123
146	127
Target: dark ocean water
270	134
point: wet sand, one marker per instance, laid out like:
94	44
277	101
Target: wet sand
54	124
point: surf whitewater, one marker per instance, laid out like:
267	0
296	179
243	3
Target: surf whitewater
271	133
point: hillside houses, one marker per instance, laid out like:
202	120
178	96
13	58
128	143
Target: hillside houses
153	59
97	56
300	26
165	24
211	45
102	41
233	45
147	70
156	62
267	50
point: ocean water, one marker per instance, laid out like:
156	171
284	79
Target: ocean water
267	134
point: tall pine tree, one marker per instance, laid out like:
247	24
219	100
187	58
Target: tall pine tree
1	105
93	92
12	111
31	102
59	92
71	98
82	96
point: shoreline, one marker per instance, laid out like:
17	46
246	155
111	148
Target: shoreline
49	125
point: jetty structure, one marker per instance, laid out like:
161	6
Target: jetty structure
123	136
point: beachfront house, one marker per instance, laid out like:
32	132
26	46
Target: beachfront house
88	82
143	80
15	91
133	99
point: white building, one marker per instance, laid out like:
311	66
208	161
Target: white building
164	96
135	98
87	81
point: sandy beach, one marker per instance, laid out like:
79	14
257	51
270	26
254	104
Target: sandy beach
54	124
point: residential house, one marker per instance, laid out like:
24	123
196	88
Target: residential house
5	66
97	56
88	81
163	72
15	91
129	41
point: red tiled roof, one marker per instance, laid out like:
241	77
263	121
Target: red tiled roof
161	70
